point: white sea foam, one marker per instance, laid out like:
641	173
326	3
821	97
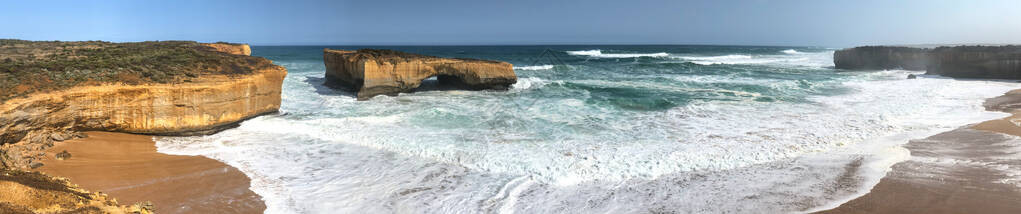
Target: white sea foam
600	54
820	59
534	67
472	152
528	83
790	51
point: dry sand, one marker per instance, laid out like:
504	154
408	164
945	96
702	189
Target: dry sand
967	170
128	168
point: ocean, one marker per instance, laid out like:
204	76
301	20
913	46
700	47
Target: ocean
593	129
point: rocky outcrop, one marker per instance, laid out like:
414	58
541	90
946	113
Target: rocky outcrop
881	58
205	105
374	72
240	49
999	62
34	192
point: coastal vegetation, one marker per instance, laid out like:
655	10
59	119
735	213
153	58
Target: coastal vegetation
40	66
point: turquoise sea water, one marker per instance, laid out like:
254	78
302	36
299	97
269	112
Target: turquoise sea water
611	129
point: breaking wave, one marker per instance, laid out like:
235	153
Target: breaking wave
534	67
600	54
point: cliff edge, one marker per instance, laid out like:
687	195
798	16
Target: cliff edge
374	72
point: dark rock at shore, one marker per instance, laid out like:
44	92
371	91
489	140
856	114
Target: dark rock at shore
912	76
64	155
997	62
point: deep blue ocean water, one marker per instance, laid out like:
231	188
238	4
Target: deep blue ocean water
606	129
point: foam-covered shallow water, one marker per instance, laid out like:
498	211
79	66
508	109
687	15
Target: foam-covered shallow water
614	129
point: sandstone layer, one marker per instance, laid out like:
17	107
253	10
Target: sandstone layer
159	88
384	72
999	62
240	49
202	106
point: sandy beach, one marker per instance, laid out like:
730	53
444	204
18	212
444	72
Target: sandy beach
960	171
128	168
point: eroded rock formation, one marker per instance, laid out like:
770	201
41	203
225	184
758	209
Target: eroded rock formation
374	72
240	49
204	105
999	62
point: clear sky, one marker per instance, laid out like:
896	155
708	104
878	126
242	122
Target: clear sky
476	22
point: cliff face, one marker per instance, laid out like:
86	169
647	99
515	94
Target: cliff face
161	88
374	72
239	49
205	105
881	58
1003	62
999	62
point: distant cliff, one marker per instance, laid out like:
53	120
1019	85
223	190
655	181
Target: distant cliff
881	58
231	48
999	62
385	72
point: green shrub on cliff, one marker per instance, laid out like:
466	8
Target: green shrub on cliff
41	66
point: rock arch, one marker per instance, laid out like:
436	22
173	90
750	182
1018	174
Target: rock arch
372	72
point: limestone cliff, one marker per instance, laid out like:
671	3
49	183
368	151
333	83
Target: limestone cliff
160	88
881	58
240	49
998	62
49	91
374	72
204	105
1002	62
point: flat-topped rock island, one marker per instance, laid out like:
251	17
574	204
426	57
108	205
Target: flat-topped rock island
370	72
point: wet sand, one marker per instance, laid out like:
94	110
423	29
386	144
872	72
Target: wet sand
968	170
128	168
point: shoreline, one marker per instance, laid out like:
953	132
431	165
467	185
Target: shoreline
957	171
128	167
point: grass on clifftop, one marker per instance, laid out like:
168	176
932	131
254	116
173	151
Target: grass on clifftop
42	66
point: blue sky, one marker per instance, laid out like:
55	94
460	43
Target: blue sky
478	22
